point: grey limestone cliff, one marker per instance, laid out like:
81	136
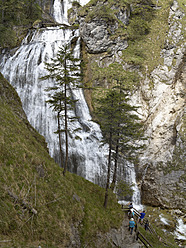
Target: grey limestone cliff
161	97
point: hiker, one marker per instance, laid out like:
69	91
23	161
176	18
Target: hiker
130	205
142	216
131	225
131	213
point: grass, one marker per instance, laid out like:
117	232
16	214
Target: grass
149	46
30	174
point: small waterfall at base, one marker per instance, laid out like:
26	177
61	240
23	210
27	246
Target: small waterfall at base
130	175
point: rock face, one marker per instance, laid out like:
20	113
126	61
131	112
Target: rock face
96	36
97	30
161	171
162	164
164	157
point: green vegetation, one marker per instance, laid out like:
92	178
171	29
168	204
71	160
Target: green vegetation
119	123
155	240
103	13
15	18
123	189
38	204
65	70
149	47
115	72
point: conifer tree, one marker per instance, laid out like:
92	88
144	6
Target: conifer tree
120	124
65	71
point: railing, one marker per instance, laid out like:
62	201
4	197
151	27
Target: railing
149	227
138	233
142	239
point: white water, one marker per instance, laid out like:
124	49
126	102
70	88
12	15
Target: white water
131	179
61	9
163	219
180	230
23	68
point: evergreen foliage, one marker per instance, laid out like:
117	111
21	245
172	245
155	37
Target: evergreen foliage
123	189
64	70
141	15
115	72
119	123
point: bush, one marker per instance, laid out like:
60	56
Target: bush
137	28
7	37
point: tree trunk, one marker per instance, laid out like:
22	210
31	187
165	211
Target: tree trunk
59	136
115	168
108	172
116	158
66	134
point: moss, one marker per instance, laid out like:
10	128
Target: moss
102	13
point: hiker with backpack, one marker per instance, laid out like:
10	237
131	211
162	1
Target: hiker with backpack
131	213
131	225
142	216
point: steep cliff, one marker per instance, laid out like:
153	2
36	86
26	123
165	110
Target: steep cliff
156	52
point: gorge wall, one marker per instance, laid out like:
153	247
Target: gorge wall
160	95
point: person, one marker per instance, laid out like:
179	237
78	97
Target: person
142	216
131	225
130	205
131	213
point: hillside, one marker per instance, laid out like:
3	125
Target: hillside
38	204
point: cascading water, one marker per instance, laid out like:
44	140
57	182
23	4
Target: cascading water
131	176
23	70
23	67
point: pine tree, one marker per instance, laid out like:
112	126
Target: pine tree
65	71
120	125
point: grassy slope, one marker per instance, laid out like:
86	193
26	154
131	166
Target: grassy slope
28	172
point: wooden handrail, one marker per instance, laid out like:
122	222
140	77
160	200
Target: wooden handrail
143	239
150	228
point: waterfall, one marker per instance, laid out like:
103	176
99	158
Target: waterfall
24	66
131	176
